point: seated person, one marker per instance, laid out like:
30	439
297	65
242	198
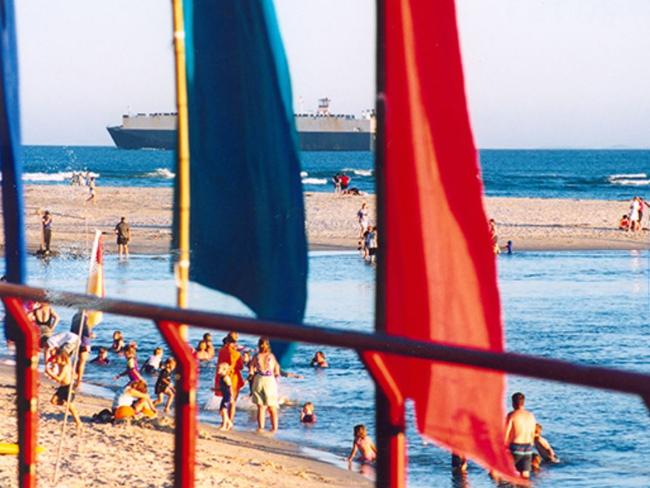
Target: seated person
307	415
102	357
152	365
319	360
624	223
132	401
544	447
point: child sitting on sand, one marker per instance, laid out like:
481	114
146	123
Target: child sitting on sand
307	415
363	445
132	401
118	342
102	358
624	223
544	447
60	370
225	387
165	385
319	360
152	365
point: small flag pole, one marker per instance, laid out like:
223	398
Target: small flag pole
182	265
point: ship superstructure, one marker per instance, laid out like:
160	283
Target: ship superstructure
318	131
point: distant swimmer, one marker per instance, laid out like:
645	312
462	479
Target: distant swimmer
123	232
520	434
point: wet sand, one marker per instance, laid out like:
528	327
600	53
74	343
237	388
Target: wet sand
531	223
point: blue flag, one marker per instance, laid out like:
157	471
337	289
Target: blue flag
10	155
247	216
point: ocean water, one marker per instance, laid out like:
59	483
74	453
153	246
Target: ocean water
600	174
587	307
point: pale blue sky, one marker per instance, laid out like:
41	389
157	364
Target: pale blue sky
554	73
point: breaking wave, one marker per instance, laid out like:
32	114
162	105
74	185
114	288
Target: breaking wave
629	179
160	173
314	181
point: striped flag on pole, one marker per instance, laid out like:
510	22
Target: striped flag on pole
95	284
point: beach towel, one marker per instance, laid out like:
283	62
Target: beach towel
247	233
438	269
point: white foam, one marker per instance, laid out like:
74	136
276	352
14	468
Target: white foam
631	182
161	173
315	181
304	174
60	176
627	176
359	172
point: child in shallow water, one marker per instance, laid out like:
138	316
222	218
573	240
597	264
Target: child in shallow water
362	444
307	415
152	365
225	387
165	385
544	447
319	360
102	358
118	342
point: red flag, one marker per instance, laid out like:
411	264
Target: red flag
440	275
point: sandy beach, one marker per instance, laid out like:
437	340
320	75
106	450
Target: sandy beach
142	455
531	223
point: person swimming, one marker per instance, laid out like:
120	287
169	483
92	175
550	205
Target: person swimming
307	414
362	444
102	358
319	360
118	342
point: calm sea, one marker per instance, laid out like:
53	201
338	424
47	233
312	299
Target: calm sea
610	175
587	307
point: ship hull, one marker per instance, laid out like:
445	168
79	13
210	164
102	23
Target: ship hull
309	141
143	138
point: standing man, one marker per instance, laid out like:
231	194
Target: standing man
46	224
520	434
123	232
79	326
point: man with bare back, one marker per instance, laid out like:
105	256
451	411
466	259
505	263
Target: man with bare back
520	434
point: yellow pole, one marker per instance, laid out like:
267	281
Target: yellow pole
182	265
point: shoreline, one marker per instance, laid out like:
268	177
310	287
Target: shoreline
533	224
142	455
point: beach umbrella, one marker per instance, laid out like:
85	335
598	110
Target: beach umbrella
247	235
437	277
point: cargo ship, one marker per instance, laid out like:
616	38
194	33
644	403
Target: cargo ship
317	131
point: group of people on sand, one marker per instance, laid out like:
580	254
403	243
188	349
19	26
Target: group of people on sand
122	231
633	220
523	439
341	183
368	240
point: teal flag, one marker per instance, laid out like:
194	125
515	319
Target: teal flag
10	156
247	217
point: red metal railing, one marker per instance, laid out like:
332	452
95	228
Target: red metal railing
168	320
